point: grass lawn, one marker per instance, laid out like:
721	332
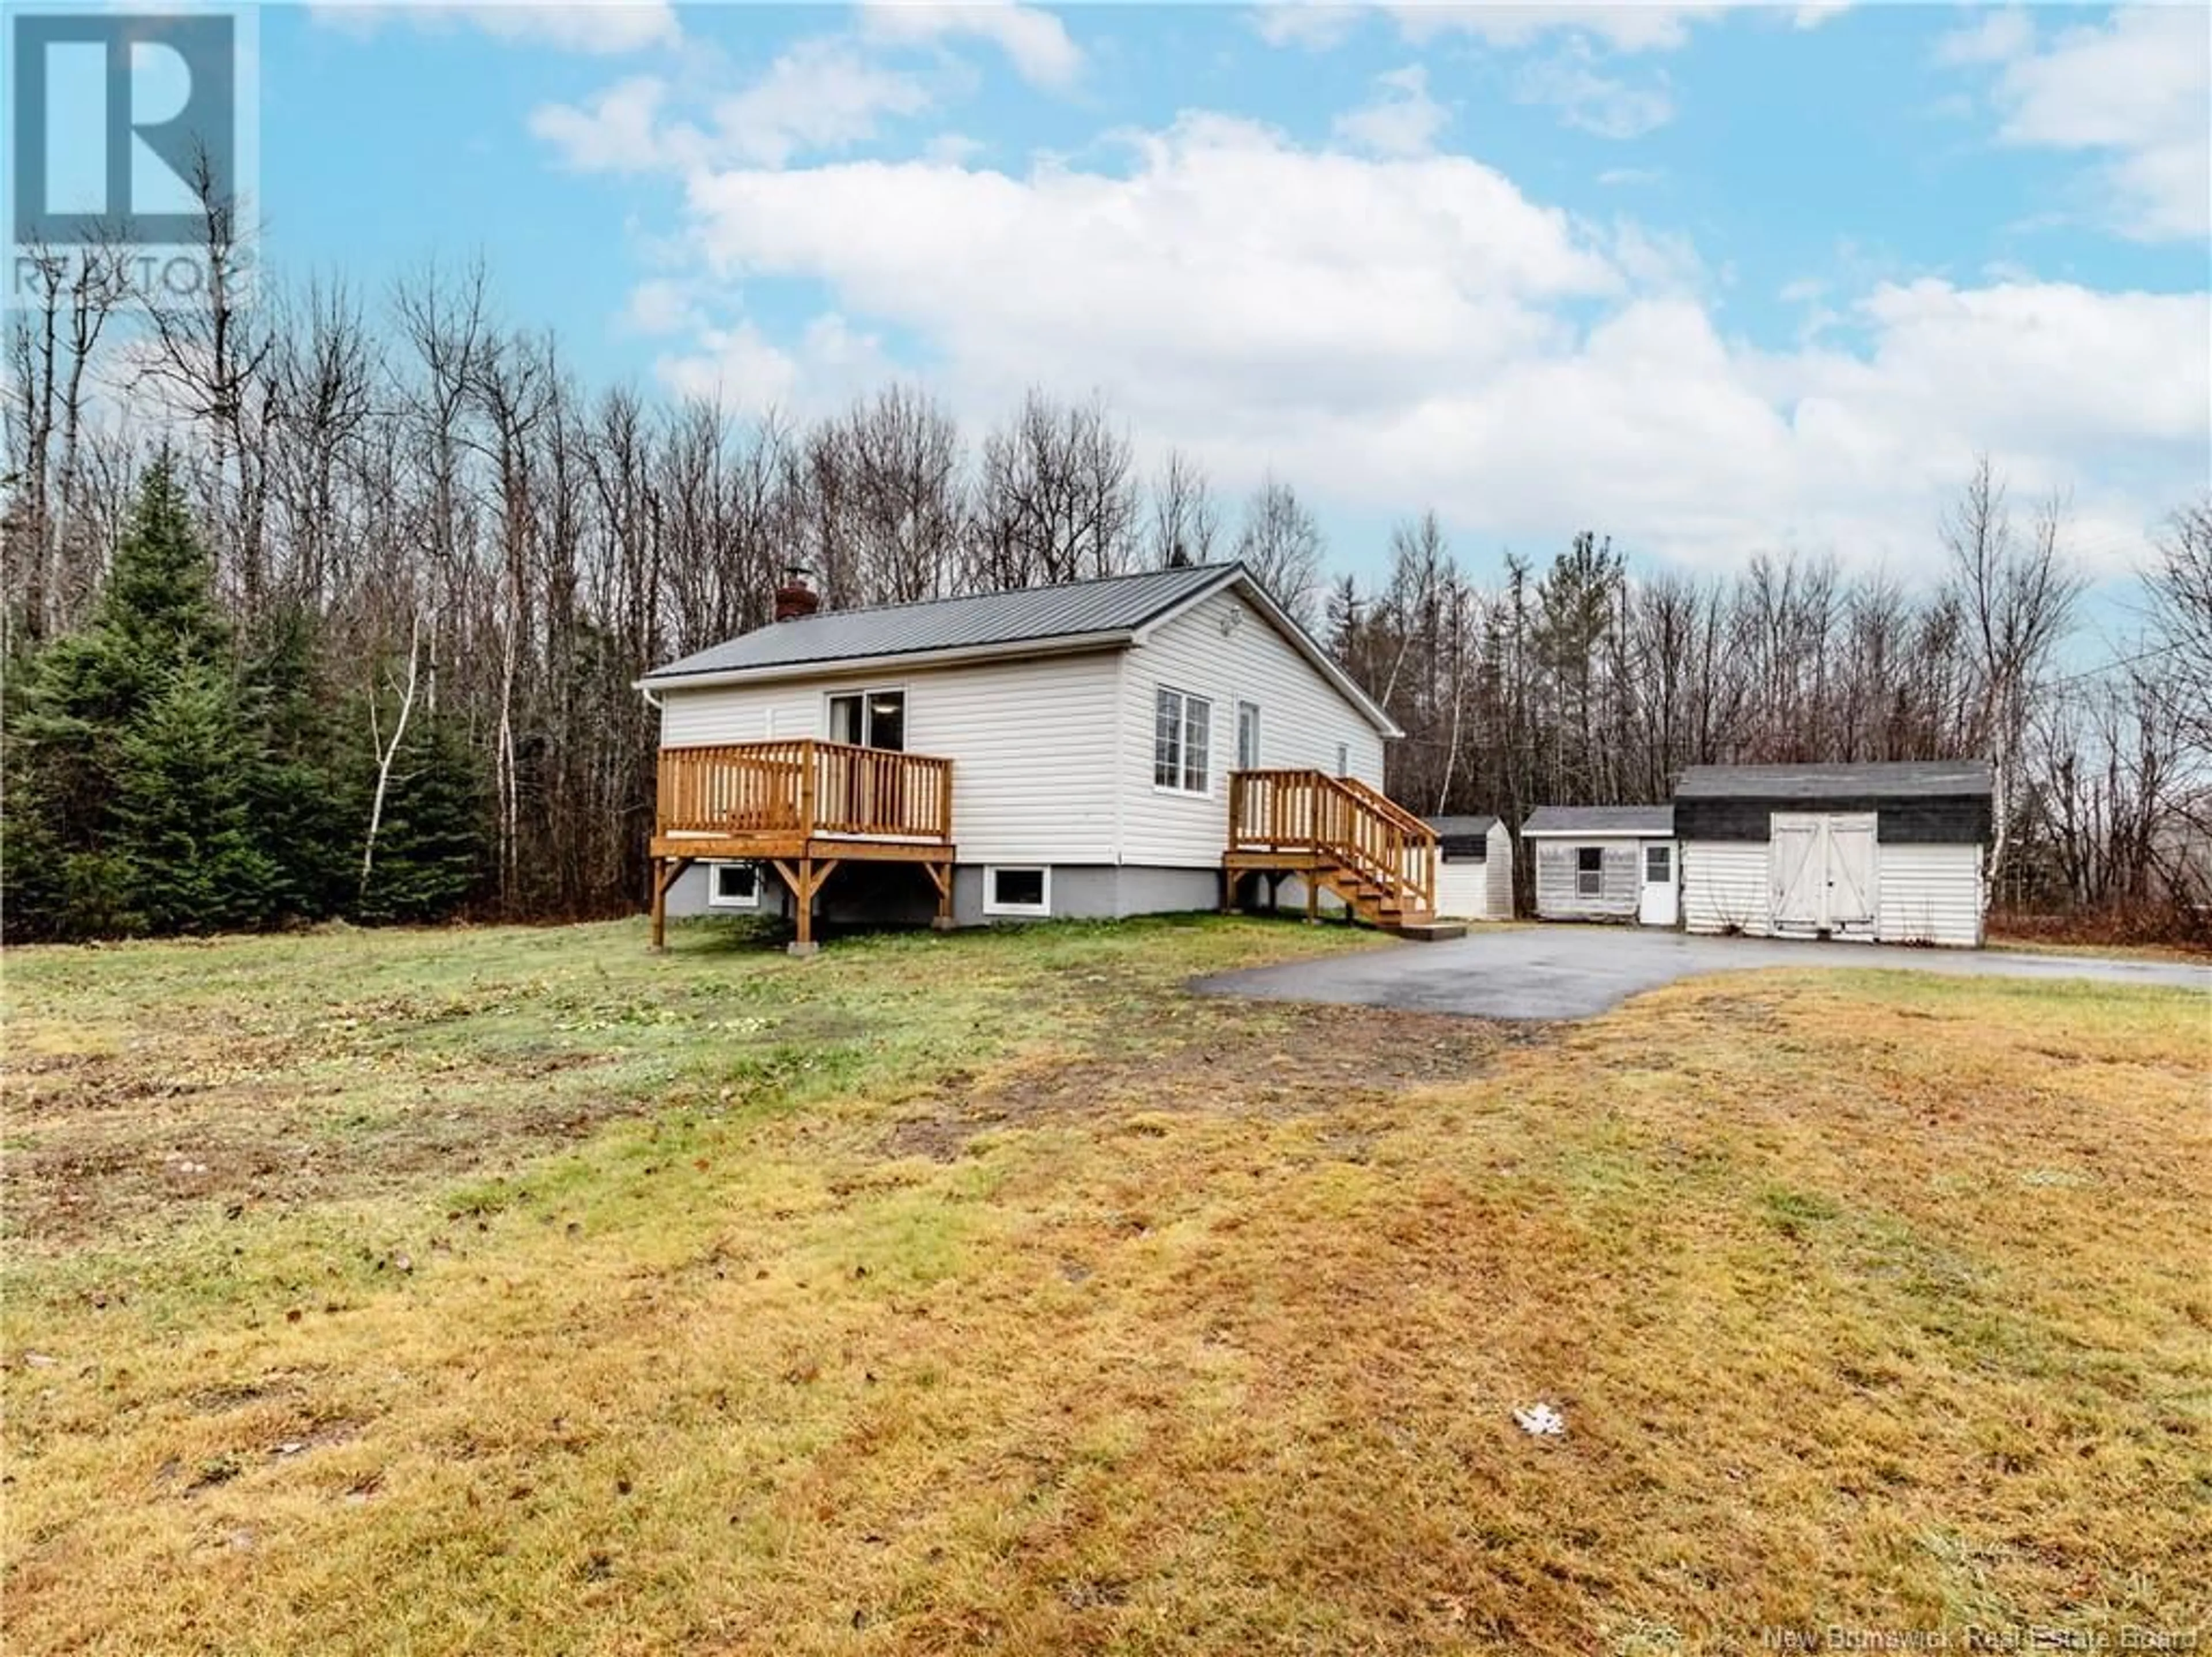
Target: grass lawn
520	1292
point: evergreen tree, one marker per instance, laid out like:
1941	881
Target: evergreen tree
305	792
431	852
127	757
183	833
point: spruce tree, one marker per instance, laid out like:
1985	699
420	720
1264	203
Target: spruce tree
127	754
431	852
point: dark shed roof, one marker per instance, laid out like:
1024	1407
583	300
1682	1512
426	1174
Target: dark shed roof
1039	615
1929	802
1912	779
1461	826
1602	820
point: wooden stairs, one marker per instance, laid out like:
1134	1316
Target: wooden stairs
1336	834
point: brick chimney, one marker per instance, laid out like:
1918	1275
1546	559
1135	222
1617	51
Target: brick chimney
795	599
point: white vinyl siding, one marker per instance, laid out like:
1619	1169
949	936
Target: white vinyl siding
1925	894
1724	885
1931	894
1303	717
1029	743
1479	891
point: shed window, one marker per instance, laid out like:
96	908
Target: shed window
733	885
1011	891
1589	871
1181	731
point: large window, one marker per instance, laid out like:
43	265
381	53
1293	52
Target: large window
1589	871
1180	736
1017	891
733	886
869	719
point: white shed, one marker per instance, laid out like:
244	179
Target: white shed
1604	862
1891	853
1474	869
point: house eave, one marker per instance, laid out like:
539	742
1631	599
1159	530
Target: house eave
842	666
1287	625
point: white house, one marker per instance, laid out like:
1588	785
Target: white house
1171	741
1604	862
1891	852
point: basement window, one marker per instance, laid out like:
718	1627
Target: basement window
733	885
1025	890
1589	871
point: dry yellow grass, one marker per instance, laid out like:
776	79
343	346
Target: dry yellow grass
1052	1310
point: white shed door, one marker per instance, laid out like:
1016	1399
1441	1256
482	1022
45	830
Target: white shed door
1794	862
1823	870
1851	870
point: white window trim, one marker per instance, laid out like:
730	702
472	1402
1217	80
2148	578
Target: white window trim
1182	744
1598	891
866	718
714	898
1259	735
1041	910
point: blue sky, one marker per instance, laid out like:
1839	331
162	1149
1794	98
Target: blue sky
1711	279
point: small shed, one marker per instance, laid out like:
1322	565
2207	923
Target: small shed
1474	869
1889	853
1604	862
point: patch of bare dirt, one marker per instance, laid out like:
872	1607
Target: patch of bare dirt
1270	1062
103	1144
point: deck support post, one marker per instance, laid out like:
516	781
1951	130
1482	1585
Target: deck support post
667	871
804	881
1313	894
940	876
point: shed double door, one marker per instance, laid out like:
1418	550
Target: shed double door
1822	871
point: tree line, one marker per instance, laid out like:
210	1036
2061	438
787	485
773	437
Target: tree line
322	607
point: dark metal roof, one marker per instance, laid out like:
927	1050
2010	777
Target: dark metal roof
1654	820
1461	826
1117	605
1916	779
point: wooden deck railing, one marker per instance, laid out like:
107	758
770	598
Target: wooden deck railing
1338	818
805	789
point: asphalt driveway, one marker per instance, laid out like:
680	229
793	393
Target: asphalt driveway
1573	972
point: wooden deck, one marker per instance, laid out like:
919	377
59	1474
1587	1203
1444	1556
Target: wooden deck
802	807
1334	832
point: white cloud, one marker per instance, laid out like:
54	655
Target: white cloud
1611	108
822	95
1995	36
1655	27
1403	120
1399	332
1316	25
736	367
603	27
2134	88
617	131
1034	41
